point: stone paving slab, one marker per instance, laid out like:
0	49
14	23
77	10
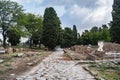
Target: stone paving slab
52	68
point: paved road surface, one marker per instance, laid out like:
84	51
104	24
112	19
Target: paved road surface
54	68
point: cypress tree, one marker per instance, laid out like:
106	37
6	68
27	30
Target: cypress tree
115	28
51	26
75	34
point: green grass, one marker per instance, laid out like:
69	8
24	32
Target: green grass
6	59
7	65
109	75
1	72
9	69
107	72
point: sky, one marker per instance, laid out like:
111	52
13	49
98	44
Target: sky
83	13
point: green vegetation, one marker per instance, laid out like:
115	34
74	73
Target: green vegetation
33	26
107	71
68	37
95	34
75	34
115	24
13	36
10	13
51	26
8	65
15	23
1	72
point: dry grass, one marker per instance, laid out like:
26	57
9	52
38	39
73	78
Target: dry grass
18	65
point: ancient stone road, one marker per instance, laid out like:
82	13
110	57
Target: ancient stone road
54	68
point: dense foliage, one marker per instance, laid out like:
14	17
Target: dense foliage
33	26
75	34
51	26
95	34
47	30
10	13
68	38
13	36
115	28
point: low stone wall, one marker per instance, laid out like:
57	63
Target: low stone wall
112	55
74	55
13	50
90	52
111	47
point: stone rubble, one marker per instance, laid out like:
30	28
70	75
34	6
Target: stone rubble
54	68
1	60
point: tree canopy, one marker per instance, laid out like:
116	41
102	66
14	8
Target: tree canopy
13	36
51	26
33	26
96	34
47	30
10	13
115	28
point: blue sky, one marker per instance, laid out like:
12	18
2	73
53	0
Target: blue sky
83	13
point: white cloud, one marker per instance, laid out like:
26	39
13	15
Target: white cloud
98	15
83	13
77	10
86	17
15	0
28	1
60	10
104	2
102	13
37	1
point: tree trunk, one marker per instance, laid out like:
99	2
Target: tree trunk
30	42
4	39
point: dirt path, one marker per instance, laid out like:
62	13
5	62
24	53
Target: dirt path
54	68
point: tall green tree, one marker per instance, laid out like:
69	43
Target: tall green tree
94	37
14	36
33	25
94	29
68	37
115	28
79	39
60	36
51	26
104	34
95	34
9	14
85	38
75	34
36	39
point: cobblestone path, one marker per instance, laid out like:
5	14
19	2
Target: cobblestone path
54	68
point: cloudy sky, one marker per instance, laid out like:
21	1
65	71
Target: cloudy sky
83	13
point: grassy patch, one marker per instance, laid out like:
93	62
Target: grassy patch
1	72
107	71
7	65
9	69
7	59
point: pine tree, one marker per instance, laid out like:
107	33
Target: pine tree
115	28
75	34
51	26
68	38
